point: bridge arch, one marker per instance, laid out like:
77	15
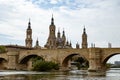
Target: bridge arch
26	58
1	59
68	57
108	57
3	63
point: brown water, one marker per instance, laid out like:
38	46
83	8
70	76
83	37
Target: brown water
112	74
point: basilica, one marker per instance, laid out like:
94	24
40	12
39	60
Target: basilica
53	41
56	49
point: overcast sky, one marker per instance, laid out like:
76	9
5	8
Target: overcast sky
100	17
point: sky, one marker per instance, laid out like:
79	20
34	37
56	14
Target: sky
101	19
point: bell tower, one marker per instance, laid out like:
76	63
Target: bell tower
84	39
51	42
28	40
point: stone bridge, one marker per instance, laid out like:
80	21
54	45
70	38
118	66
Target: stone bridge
20	59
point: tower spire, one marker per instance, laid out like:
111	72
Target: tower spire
58	34
37	42
84	39
28	40
63	33
84	30
63	37
29	24
52	20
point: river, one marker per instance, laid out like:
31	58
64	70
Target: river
112	74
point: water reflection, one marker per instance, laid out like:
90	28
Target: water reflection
112	74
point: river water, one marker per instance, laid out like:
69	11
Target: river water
112	74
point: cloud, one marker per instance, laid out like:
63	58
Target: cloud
100	17
54	1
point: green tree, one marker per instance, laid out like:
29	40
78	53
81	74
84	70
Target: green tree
108	65
41	65
2	49
82	63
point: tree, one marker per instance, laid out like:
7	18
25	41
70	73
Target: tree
2	49
41	65
82	63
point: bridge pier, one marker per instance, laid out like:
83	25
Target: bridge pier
12	59
95	60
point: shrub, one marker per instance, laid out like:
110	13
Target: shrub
40	65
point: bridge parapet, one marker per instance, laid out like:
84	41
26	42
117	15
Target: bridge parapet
12	53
